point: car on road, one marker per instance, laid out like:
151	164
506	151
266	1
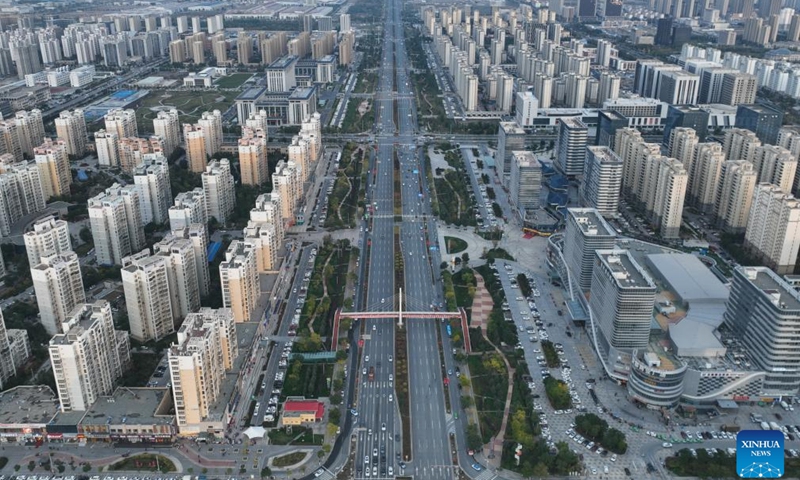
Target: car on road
383	427
477	467
319	473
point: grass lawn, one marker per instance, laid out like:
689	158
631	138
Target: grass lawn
233	81
455	245
146	462
490	383
190	105
289	459
298	436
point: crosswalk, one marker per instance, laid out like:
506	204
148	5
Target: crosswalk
486	475
326	475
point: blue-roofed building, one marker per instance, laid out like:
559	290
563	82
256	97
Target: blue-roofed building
547	169
557	199
558	183
82	177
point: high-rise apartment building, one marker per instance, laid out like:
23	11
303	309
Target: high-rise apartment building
132	151
21	191
775	165
189	208
167	126
734	197
219	192
682	143
30	130
602	180
740	144
115	218
147	296
586	232
107	148
196	152
197	234
53	162
264	239
738	88
705	176
573	137
49	236
198	363
665	186
211	123
253	157
15	350
761	312
239	278
71	127
182	271
773	228
287	184
89	357
58	286
122	122
152	178
525	182
622	301
527	107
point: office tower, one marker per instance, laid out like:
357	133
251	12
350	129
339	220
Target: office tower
734	196
586	231
122	122
53	162
211	123
711	79
152	178
681	34
679	88
664	31
239	278
602	181
220	196
740	144
613	8
146	286
89	357
705	176
196	153
167	126
738	88
133	150
609	122
286	183
773	228
197	234
107	148
59	288
622	300
198	363
760	312
30	130
189	208
525	182
763	120
280	74
571	146
49	236
179	255
71	127
527	107
686	116
344	22
253	157
775	165
587	8
115	218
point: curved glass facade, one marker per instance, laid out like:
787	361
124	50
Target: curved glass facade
657	385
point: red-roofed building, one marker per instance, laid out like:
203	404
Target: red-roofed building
298	412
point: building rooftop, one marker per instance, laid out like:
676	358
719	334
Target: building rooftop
302	93
573	122
511	128
604	154
282	62
251	93
28	405
689	278
132	406
780	293
626	271
525	158
591	222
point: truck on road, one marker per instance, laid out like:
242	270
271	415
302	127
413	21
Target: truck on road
371	373
774	426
